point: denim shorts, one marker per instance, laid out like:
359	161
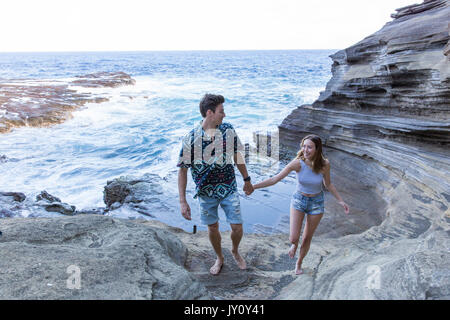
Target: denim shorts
230	204
308	205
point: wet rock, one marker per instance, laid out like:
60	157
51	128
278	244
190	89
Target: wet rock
16	196
104	79
37	103
5	213
54	204
115	192
62	208
16	204
99	211
44	195
143	195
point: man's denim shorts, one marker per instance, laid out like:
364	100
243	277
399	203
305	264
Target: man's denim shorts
230	205
308	205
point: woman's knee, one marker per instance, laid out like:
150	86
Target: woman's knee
306	240
294	238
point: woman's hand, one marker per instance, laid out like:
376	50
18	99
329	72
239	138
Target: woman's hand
248	188
346	208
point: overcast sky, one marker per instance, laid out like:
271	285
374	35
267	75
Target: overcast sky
132	25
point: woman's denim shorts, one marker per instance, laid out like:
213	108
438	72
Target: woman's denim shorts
308	205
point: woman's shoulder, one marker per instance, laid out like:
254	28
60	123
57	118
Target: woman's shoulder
326	164
295	164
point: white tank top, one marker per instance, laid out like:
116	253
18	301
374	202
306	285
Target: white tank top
309	182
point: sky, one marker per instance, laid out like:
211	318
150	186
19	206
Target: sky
149	25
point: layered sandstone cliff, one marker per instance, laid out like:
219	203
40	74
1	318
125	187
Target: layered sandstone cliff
385	121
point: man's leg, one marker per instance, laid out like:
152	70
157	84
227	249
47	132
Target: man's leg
209	216
236	236
216	239
232	208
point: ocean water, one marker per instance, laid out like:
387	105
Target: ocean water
139	130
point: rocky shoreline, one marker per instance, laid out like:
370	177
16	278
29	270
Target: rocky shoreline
40	103
384	119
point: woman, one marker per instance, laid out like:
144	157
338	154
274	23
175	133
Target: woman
312	169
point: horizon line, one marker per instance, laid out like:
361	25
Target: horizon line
161	50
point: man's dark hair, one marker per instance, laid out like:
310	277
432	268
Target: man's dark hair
210	102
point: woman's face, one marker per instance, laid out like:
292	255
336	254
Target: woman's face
309	149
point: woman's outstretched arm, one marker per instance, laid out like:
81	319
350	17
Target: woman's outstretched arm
330	186
293	165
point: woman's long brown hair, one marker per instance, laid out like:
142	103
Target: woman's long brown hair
319	161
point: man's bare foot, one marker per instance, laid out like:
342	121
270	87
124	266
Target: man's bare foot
292	250
239	260
217	267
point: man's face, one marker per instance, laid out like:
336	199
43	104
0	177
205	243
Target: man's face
217	117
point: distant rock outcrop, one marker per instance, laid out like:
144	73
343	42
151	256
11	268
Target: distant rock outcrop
36	103
385	121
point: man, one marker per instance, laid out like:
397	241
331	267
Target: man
208	150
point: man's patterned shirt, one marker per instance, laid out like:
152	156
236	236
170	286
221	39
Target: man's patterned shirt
211	160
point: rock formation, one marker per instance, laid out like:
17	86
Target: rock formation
385	122
42	103
17	205
92	257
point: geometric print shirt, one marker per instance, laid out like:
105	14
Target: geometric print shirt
211	160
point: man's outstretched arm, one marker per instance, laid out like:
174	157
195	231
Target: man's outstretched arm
182	182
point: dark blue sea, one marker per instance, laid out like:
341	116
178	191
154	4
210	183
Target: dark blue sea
139	129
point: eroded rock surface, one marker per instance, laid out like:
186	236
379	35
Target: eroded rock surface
115	259
384	119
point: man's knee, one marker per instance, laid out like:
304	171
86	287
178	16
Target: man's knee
236	228
213	227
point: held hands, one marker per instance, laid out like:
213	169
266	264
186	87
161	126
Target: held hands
248	188
346	208
185	210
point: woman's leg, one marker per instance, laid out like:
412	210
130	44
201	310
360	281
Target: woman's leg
296	221
312	221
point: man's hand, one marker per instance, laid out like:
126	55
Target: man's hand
185	210
248	188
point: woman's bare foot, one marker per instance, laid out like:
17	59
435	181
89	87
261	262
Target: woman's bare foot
292	250
239	260
298	269
217	267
